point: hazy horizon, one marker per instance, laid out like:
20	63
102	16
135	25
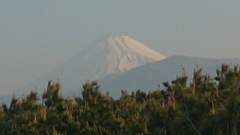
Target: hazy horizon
36	36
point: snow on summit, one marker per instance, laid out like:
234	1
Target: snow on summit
132	45
124	53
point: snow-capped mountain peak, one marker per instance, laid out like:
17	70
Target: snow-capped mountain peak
123	53
104	58
131	45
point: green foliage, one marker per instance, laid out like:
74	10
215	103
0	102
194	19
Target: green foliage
207	106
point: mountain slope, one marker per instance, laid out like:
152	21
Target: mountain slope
147	77
116	55
106	57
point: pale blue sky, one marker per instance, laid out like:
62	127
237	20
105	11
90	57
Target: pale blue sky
35	36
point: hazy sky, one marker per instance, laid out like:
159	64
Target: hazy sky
35	36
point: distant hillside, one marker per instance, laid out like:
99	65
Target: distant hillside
148	77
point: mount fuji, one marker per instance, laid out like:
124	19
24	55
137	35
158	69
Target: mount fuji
104	58
120	62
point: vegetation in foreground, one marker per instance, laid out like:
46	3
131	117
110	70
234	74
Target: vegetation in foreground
205	106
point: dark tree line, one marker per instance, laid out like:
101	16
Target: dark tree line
207	106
